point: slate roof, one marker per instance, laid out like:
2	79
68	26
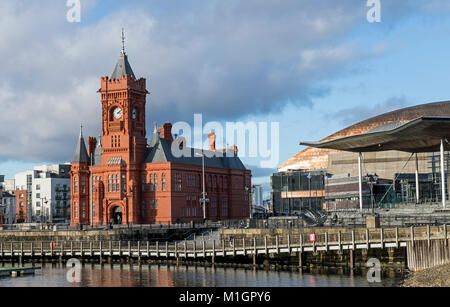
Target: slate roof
123	67
159	150
81	155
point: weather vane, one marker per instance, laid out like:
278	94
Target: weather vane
123	41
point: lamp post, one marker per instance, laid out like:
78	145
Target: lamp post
43	211
204	200
309	187
372	180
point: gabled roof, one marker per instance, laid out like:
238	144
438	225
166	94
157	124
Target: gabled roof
81	155
160	151
123	67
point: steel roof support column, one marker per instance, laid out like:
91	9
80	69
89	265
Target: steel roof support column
360	181
442	173
417	181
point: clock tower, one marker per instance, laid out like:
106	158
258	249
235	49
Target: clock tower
123	99
123	142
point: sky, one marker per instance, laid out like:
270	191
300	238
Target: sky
313	66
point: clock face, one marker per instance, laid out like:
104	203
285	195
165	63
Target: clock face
134	114
117	113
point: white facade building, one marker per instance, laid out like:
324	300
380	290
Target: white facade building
8	208
48	193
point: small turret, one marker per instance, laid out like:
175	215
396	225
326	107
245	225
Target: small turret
81	155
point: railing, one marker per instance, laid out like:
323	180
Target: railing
349	240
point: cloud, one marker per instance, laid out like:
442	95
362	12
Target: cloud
356	114
225	59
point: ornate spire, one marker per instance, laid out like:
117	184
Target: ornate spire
123	41
81	155
123	67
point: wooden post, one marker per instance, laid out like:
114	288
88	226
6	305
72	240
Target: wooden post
167	249
276	244
176	251
301	242
254	251
21	253
234	247
120	248
445	235
101	251
340	241
90	248
367	239
185	249
195	249
223	248
139	249
412	236
110	249
71	248
428	236
157	249
129	248
396	237
300	260
81	247
289	243
265	244
203	247
213	251
148	249
352	260
382	237
353	239
32	252
326	241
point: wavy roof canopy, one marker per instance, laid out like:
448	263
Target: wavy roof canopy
420	135
317	158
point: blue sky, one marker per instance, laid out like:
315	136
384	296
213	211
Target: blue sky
314	66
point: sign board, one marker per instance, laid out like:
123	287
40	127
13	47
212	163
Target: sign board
312	237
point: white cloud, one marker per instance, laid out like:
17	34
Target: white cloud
225	59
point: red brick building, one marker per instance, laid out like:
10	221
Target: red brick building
21	206
135	182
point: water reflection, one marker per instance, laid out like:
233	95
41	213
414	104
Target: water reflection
126	275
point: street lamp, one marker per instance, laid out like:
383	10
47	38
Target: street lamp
43	208
309	187
371	181
204	200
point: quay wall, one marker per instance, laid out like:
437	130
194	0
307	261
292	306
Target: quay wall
97	235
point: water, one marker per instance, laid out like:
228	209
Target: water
116	275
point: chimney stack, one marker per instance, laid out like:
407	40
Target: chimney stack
166	132
212	141
92	143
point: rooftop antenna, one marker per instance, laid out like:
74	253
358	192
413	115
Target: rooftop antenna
81	130
123	41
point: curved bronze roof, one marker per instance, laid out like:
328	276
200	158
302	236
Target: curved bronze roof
317	158
420	135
